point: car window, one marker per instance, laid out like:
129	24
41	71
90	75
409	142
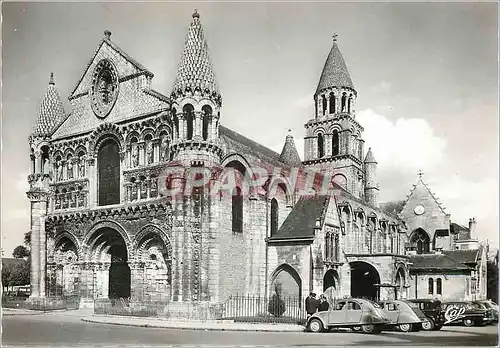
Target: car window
412	304
391	307
340	305
353	306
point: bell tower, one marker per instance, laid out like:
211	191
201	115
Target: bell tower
333	142
196	102
50	115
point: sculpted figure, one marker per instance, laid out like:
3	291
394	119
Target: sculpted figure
149	152
70	169
164	149
59	170
135	156
81	167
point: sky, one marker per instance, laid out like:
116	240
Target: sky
426	76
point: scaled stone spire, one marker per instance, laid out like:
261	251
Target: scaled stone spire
335	73
51	111
369	157
195	71
289	154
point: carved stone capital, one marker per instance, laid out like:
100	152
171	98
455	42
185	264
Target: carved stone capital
38	195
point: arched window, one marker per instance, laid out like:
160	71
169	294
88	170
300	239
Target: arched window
207	115
421	240
439	286
332	103
176	123
237	210
45	160
335	143
321	150
431	286
274	216
349	104
344	102
188	111
336	247
323	98
108	162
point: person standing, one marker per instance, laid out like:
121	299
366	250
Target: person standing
323	304
311	304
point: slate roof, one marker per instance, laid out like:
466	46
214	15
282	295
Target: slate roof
195	69
335	73
51	111
289	154
463	256
302	219
241	144
462	231
435	261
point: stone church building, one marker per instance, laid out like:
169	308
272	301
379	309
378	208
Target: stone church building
115	212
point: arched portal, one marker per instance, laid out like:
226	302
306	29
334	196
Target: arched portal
365	281
110	251
400	283
331	285
287	278
108	161
63	270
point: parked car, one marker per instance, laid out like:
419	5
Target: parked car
404	315
434	315
491	307
466	313
352	313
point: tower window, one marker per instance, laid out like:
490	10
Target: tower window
237	210
439	286
323	98
207	114
344	102
189	118
176	123
431	286
335	143
321	149
274	216
332	103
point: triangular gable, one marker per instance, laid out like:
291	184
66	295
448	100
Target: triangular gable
420	194
135	97
123	61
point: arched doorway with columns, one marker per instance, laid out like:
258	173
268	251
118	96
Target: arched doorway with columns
331	285
365	281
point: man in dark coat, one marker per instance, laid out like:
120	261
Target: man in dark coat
312	304
323	305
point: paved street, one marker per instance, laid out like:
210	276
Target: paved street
67	329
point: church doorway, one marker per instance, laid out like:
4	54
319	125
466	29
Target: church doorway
110	259
365	281
286	279
331	284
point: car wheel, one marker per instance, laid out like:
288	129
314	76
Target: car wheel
368	328
428	324
315	325
356	328
405	327
468	322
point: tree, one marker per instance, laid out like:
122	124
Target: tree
6	275
492	281
20	252
276	304
27	239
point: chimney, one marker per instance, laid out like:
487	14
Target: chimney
472	227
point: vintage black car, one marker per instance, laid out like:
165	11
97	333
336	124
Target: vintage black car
433	312
466	313
491	307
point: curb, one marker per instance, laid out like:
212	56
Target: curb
153	326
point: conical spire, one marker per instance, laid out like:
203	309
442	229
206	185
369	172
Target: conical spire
335	73
289	154
369	157
195	71
51	111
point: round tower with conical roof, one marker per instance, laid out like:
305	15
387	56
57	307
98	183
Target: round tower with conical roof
196	102
50	115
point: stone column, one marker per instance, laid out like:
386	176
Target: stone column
348	142
38	242
92	175
156	150
137	270
327	104
142	153
328	145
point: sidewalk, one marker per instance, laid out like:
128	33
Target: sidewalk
209	325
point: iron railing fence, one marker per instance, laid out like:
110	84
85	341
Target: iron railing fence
256	309
41	304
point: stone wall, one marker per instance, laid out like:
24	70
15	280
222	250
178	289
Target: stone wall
456	286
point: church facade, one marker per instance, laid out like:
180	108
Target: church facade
136	194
